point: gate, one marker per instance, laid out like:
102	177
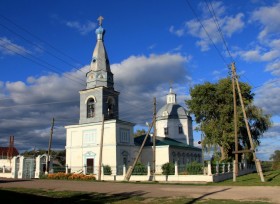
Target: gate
29	166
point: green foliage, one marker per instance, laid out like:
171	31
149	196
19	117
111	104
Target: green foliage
107	170
194	168
275	160
168	169
139	169
58	155
139	133
212	106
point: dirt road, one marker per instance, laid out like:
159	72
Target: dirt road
252	193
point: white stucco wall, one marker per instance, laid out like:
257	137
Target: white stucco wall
173	129
83	142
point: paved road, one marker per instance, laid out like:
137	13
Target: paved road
253	193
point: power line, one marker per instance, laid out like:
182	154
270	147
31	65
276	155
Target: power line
206	32
40	39
36	62
212	11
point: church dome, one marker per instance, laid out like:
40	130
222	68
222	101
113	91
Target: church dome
171	111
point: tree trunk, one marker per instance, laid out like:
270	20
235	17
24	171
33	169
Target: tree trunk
223	154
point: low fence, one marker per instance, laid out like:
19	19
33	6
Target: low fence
209	173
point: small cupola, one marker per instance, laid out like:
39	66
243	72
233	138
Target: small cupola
100	31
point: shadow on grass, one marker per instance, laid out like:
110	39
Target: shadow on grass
201	197
19	197
273	177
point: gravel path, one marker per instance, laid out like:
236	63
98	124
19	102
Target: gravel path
253	193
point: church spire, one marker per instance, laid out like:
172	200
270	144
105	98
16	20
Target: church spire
100	73
171	96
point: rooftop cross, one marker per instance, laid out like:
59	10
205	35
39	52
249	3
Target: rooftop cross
170	83
100	19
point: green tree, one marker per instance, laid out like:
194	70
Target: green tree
212	106
168	169
140	132
275	160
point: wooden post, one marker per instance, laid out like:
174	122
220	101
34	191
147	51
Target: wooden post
233	78
258	166
101	149
50	144
154	140
130	169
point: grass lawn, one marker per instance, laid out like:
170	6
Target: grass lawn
272	178
31	196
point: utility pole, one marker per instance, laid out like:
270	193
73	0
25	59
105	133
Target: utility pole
130	169
154	140
252	149
235	173
101	149
50	144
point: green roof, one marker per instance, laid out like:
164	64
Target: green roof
162	141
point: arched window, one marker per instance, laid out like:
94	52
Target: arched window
110	107
90	108
125	157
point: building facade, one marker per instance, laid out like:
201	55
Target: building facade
102	138
99	120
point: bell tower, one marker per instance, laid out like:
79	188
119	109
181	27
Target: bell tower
99	98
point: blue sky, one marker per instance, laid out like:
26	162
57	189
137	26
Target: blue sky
46	47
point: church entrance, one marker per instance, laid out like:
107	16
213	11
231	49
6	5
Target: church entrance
90	166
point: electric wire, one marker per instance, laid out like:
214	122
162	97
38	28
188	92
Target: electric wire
40	39
208	35
41	62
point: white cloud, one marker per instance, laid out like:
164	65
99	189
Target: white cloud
228	25
274	67
267	97
178	32
258	55
7	47
33	103
83	29
269	18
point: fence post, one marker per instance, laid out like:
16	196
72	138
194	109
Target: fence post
245	164
176	168
224	168
124	171
209	169
85	169
66	169
217	167
148	170
4	169
233	168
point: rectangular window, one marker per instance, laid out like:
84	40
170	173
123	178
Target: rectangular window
89	137
166	131
180	130
124	136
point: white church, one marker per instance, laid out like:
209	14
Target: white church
99	118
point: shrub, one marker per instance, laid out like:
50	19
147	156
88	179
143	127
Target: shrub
107	170
70	176
194	168
168	169
139	169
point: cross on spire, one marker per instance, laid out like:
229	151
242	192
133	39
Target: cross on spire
170	83
100	19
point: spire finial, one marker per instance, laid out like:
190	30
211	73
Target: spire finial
170	86
100	19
